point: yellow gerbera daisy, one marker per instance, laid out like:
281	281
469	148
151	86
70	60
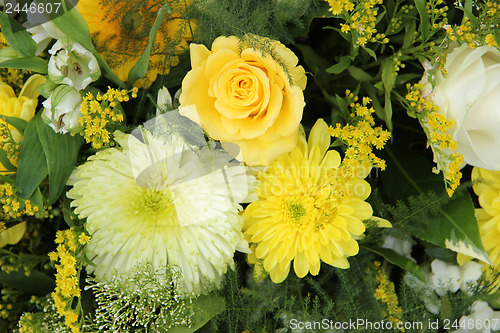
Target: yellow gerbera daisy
303	214
120	31
159	199
488	216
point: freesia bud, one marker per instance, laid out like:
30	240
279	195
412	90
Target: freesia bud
72	64
62	109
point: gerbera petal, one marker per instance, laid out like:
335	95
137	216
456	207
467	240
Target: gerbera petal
300	264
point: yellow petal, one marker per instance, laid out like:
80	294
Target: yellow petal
300	265
331	160
30	88
340	263
12	235
354	225
315	269
199	53
319	137
381	223
279	275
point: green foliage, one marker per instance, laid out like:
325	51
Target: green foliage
34	64
47	319
61	153
266	18
44	152
32	166
126	301
440	220
17	37
140	68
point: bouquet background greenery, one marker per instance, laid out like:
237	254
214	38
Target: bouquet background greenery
356	54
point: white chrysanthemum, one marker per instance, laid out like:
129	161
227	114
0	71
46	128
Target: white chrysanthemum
163	201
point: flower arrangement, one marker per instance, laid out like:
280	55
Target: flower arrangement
250	166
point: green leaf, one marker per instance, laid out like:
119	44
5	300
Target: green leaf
37	283
34	64
398	260
455	228
370	52
341	66
17	36
141	67
37	200
4	160
442	254
425	25
74	26
359	74
467	8
32	163
18	123
453	224
388	74
410	28
475	22
388	110
61	151
496	34
206	307
372	92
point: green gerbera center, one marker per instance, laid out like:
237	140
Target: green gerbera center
295	211
156	206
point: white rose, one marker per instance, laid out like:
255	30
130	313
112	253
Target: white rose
62	109
470	96
72	64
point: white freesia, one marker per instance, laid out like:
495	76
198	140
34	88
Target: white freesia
481	320
163	101
72	64
424	290
469	94
446	277
399	245
62	109
43	34
471	272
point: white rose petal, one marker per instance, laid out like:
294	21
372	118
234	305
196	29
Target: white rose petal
470	96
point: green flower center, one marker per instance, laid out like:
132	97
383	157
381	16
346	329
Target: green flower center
295	211
156	206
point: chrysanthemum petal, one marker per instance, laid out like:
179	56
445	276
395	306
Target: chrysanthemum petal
301	265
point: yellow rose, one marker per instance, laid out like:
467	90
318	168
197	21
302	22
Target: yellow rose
246	97
22	107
